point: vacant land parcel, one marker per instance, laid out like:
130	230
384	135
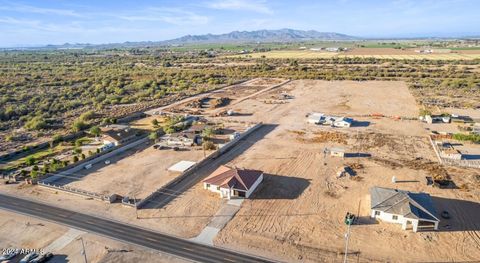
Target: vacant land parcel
299	209
378	53
135	172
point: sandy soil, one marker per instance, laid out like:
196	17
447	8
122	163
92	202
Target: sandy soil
297	213
135	172
380	51
18	231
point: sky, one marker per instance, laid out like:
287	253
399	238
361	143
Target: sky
40	22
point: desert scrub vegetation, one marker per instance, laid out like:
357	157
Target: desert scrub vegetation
51	92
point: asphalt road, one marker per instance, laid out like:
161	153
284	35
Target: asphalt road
123	232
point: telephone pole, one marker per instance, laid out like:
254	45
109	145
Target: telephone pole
135	204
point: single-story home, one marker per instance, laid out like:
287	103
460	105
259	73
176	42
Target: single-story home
197	128
411	210
233	182
114	137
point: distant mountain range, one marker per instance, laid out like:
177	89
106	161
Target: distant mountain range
281	35
263	36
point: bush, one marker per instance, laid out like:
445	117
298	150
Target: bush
75	159
36	123
475	138
208	145
95	131
30	160
86	116
79	125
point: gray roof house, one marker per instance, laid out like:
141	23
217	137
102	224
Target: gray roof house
412	210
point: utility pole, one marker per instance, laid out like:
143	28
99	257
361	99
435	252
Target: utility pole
347	237
83	250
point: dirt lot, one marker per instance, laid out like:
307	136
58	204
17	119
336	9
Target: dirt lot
231	95
138	171
297	213
19	231
380	53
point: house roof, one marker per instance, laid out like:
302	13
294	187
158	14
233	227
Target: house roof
315	116
197	128
181	166
120	134
399	202
337	150
241	179
344	119
184	135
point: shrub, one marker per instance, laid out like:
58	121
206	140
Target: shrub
36	123
30	160
208	145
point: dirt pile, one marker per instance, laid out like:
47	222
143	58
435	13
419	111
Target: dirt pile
321	137
366	141
219	102
437	171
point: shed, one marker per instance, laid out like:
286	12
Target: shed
338	152
181	166
315	118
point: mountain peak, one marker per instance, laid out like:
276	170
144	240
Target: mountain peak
264	35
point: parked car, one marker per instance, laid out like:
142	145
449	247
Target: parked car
29	257
42	258
9	255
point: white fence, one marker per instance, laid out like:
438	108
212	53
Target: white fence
453	162
106	198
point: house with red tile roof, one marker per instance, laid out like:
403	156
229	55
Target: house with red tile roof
232	182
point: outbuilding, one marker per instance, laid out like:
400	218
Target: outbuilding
337	152
315	118
412	210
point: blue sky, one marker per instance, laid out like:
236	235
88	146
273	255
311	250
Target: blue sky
29	22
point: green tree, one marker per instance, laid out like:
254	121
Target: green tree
30	160
153	136
207	133
95	131
155	123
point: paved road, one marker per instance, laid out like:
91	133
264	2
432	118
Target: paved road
173	190
123	232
